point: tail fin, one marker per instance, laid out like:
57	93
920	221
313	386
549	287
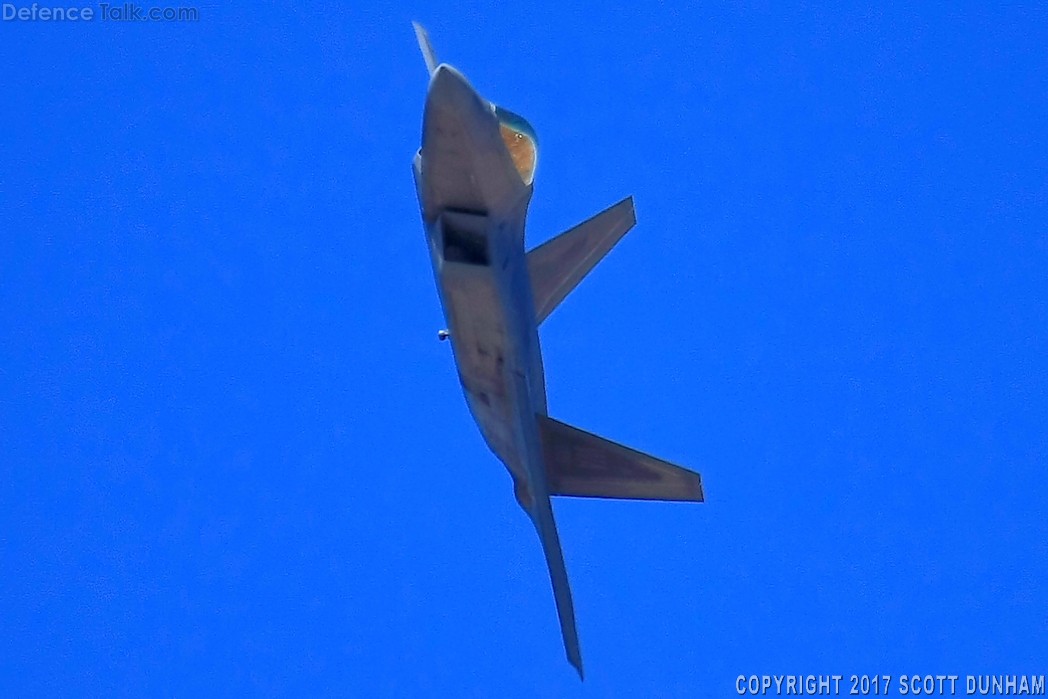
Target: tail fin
542	516
428	54
584	465
558	265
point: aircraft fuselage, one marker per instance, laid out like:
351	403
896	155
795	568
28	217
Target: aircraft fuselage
474	204
474	177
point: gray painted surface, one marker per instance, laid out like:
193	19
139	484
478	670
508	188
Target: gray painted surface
474	202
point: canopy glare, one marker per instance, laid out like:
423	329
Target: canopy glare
520	141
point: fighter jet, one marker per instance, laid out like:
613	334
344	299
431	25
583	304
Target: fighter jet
474	176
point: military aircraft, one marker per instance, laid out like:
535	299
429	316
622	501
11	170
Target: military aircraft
474	176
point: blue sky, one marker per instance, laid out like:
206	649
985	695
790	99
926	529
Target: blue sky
235	460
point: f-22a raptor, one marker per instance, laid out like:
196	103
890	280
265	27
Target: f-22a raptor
474	175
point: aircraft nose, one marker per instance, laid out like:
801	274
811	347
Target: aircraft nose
449	90
465	163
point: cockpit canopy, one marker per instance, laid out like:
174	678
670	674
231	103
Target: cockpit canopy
520	141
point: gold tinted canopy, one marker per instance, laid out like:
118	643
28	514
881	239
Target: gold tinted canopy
520	141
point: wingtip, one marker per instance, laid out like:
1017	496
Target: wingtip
630	208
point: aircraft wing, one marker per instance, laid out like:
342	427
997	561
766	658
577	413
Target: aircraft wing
558	265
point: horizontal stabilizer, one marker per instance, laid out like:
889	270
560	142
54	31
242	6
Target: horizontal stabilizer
584	465
558	265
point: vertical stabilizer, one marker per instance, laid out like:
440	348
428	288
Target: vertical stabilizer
542	516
